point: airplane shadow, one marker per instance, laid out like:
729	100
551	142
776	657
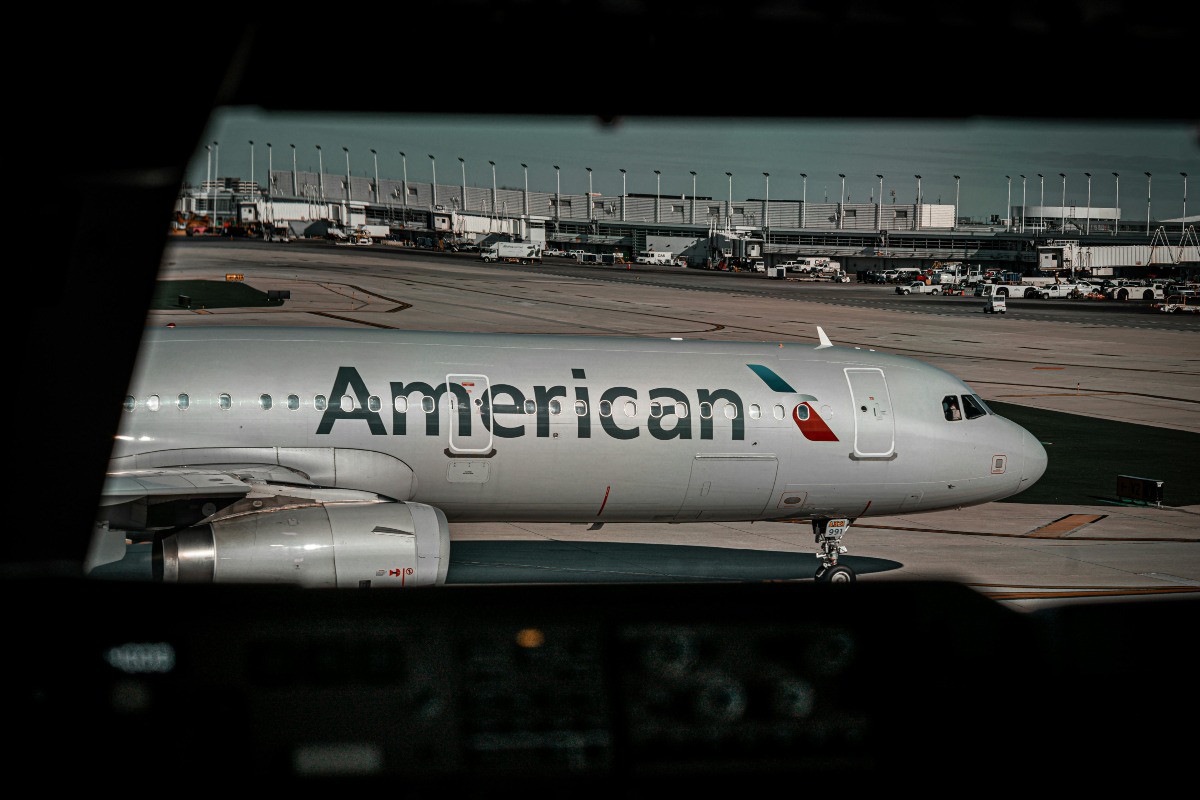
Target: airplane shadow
484	562
622	562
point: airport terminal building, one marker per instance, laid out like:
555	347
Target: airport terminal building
701	230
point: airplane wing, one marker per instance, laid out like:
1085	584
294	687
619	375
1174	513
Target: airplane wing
266	523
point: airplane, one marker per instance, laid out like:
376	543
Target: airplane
338	457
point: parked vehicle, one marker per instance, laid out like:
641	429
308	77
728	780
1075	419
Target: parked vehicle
995	298
513	252
1135	290
1178	304
919	287
653	257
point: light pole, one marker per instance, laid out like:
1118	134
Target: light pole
404	166
589	197
694	196
557	194
1087	220
1117	204
208	177
525	204
320	173
767	208
841	199
729	207
879	206
803	198
252	161
1008	208
957	178
493	163
295	187
462	163
1183	222
657	193
1022	204
270	167
917	225
433	185
622	194
349	193
1042	201
1147	203
1063	223
375	158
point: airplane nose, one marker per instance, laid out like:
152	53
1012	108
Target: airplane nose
1035	460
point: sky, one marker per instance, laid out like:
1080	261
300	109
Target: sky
990	156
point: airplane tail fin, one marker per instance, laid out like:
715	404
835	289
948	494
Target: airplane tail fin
824	339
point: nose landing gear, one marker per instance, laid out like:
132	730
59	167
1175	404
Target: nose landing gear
828	535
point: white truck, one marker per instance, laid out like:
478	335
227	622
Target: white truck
663	259
919	287
512	252
811	266
1061	290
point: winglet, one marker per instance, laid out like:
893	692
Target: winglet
824	339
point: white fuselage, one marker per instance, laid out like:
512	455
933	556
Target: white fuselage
573	428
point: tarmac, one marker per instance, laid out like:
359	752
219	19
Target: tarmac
1111	383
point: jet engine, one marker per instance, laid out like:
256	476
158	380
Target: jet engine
357	545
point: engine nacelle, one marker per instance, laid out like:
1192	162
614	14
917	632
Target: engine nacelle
354	545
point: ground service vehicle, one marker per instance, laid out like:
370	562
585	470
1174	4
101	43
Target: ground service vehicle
651	257
513	252
919	287
995	298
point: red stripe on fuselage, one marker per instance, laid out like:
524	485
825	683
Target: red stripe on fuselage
813	428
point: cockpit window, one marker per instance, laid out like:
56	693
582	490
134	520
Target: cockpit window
979	400
950	407
973	406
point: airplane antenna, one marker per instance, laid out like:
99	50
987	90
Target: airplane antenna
824	339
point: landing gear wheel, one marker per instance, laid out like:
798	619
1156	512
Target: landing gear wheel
836	574
828	535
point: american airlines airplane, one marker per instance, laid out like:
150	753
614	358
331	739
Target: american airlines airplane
338	457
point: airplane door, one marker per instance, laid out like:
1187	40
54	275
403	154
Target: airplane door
874	427
470	429
729	487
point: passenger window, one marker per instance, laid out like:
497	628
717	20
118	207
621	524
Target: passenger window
319	402
730	411
530	407
183	402
972	406
373	403
777	411
681	410
580	408
264	402
950	409
802	412
152	402
400	404
555	407
706	410
427	404
130	404
347	403
225	401
656	409
630	408
605	408
755	411
293	402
